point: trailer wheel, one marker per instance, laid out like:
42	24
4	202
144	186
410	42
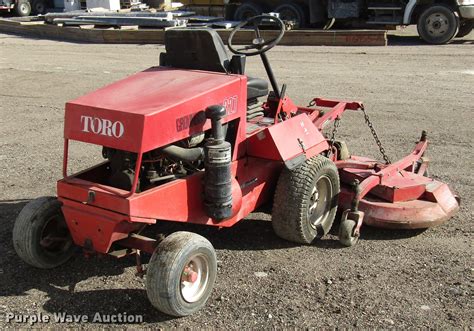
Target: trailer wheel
39	7
292	12
438	24
181	274
465	28
305	202
247	10
23	8
41	237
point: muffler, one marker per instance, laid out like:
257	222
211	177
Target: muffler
217	163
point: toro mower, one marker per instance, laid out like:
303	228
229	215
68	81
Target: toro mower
190	141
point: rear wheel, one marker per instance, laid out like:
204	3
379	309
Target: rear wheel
23	8
465	28
247	10
292	12
438	24
181	274
305	201
41	237
39	7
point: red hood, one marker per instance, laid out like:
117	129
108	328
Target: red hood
152	108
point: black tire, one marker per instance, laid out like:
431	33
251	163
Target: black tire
23	8
165	286
41	237
247	10
346	233
465	28
438	24
297	216
292	12
39	7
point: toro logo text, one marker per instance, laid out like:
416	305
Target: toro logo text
102	126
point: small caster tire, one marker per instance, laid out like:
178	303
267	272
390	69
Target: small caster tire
41	237
181	274
346	233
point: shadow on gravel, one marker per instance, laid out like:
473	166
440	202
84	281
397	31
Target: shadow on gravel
253	233
371	233
393	40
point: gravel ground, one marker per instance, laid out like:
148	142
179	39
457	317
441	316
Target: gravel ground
396	279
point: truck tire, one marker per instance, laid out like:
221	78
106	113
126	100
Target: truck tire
465	28
292	12
305	202
41	237
181	274
247	10
39	7
23	8
438	24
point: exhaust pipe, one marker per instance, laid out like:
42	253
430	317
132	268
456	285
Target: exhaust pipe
217	163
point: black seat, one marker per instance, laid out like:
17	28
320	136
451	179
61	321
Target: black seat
256	87
203	49
199	49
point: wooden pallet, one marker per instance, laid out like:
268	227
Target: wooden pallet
153	36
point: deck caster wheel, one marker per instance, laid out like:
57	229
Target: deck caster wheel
41	237
305	202
348	233
181	274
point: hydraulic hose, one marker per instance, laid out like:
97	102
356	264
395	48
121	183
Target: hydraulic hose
184	154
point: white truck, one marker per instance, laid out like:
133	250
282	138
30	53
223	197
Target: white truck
438	21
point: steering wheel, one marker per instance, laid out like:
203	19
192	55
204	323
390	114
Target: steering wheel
259	45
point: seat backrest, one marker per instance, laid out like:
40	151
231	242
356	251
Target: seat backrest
198	49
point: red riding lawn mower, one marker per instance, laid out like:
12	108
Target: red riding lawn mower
189	141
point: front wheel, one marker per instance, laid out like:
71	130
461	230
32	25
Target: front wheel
41	237
438	24
181	274
305	202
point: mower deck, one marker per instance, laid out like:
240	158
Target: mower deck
404	200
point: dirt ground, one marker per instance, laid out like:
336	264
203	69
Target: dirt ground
396	279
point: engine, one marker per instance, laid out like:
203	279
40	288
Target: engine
158	166
208	151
